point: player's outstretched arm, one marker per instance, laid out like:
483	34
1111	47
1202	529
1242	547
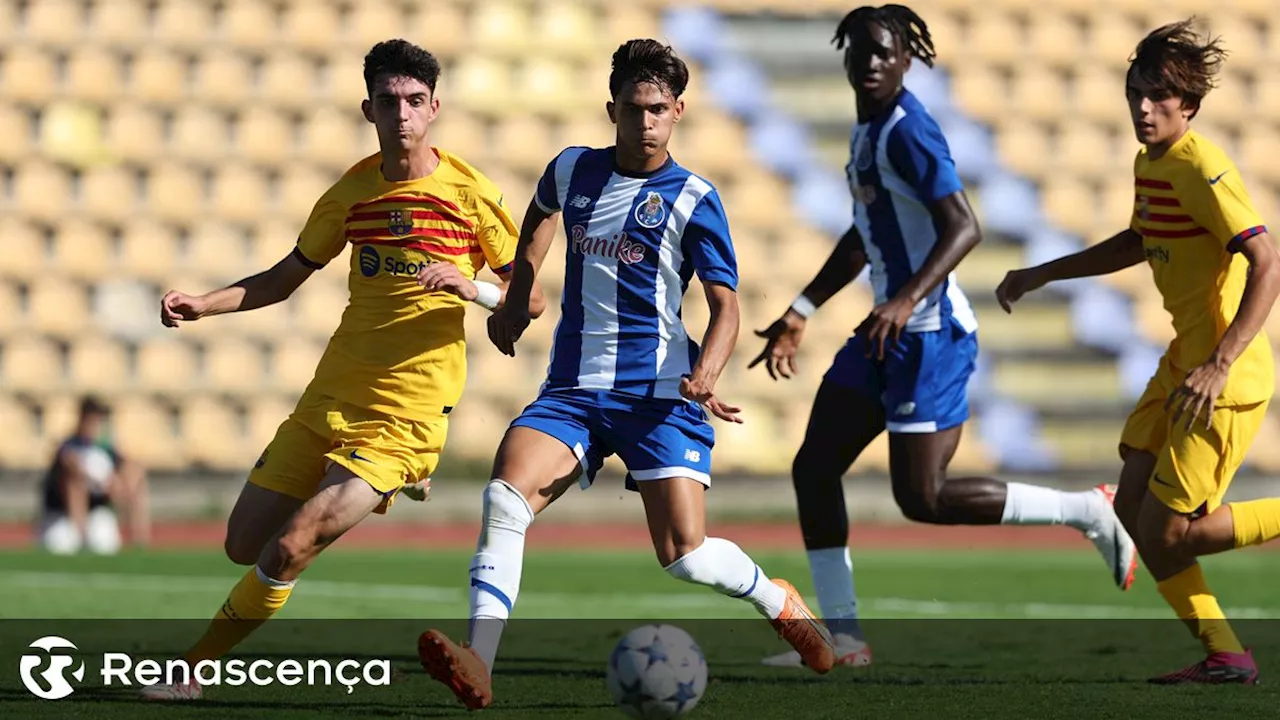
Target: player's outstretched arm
1203	386
1120	251
266	288
782	338
717	346
522	296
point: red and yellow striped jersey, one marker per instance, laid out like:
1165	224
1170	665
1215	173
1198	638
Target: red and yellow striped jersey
1192	209
400	349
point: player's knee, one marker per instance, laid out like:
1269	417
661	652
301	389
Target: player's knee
916	505
239	551
505	508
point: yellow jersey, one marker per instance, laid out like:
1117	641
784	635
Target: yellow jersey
1192	210
399	349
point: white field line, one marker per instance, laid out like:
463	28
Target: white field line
657	602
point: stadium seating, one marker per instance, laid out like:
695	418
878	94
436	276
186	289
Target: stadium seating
182	143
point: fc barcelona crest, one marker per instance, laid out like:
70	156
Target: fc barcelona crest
652	212
400	222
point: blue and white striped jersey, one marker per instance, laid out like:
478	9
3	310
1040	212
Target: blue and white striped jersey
634	242
899	163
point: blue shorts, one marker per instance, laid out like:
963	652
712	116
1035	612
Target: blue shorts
656	439
922	381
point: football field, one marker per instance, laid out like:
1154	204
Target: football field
983	633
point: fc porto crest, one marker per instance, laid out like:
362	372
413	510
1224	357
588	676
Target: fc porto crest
400	222
652	212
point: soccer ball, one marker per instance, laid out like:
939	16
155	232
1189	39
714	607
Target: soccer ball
656	672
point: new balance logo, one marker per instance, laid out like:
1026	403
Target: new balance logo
905	408
579	201
693	456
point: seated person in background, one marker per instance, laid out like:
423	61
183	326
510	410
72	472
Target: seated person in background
87	482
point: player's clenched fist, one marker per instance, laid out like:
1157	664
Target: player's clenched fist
444	276
178	307
1016	284
506	325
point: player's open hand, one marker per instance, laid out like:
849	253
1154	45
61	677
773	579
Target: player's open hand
887	320
506	325
178	307
1017	283
1198	394
782	341
702	393
446	277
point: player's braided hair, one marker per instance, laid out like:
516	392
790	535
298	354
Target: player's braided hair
400	57
638	61
1175	60
903	22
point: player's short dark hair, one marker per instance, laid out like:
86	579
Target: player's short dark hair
92	405
901	21
1175	60
645	60
400	57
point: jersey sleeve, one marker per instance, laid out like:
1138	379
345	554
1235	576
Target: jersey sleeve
496	231
919	152
1218	202
708	245
547	196
325	233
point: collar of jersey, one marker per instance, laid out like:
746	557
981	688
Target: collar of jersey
632	173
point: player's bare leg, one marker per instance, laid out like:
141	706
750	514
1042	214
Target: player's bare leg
130	494
842	423
341	501
1132	488
258	515
530	471
918	468
676	513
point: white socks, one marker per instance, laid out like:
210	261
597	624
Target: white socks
723	566
832	573
1034	505
495	570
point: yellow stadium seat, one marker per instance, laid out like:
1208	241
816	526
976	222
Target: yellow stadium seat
293	363
1055	37
58	307
288	79
250	24
31	364
318	307
20	438
119	23
461	133
979	91
272	239
1241	37
595	130
1113	36
994	37
184	23
371	23
1024	147
218	252
174	192
148	251
158	77
213	434
329	136
761	200
56	23
15	134
1259	147
224	78
343	85
481	83
96	74
71	133
549	87
1036	92
1085	150
311	26
167	365
264	416
1069	202
200	134
522	143
440	27
109	192
713	142
11	314
300	187
233	365
1098	95
567	28
1266	92
264	136
41	191
133	133
145	429
475	429
25	256
28	75
624	21
82	250
240	193
1222	105
98	364
1117	201
500	27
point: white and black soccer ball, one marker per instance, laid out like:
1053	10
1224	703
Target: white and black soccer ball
657	672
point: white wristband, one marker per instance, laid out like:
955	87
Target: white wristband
488	295
803	307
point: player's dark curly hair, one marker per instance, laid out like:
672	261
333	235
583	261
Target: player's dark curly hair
400	57
903	22
1176	61
638	61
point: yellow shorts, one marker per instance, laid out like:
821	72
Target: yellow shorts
1193	468
386	451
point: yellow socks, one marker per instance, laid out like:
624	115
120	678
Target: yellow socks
252	601
1190	598
1256	521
